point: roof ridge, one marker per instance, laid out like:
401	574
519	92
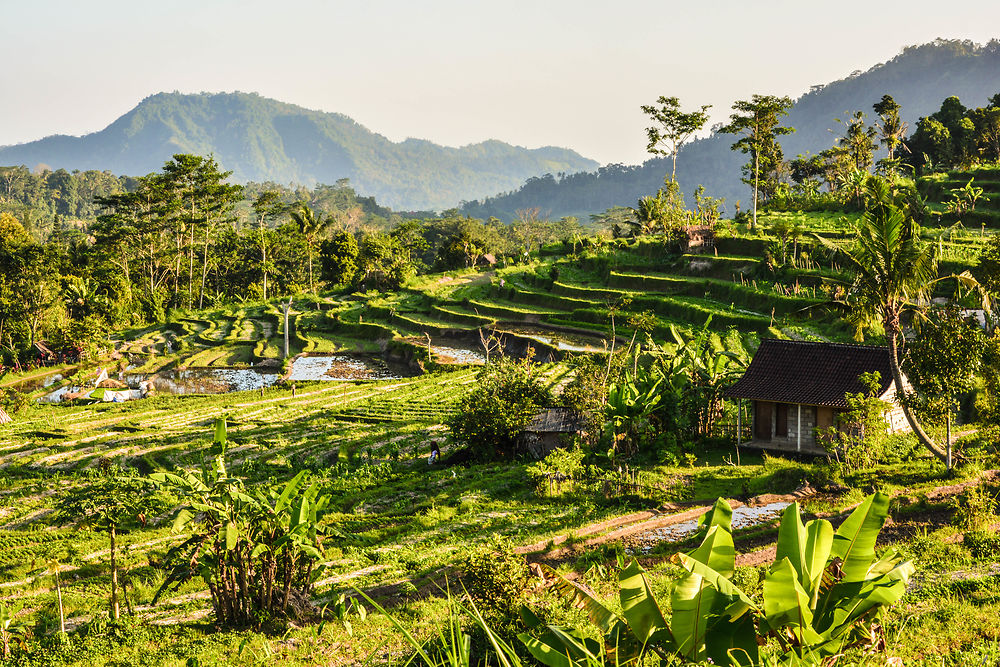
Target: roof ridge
853	346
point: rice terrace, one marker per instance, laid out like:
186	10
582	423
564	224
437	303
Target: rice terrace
295	393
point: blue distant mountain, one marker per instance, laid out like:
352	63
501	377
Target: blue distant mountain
261	139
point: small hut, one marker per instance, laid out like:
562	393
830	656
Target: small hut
698	238
550	429
4	417
45	355
797	388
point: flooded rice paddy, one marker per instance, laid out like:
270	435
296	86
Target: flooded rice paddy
569	342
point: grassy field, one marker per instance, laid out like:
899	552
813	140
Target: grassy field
404	529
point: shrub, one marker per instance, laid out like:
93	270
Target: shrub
982	544
258	551
491	417
497	579
975	509
13	401
561	464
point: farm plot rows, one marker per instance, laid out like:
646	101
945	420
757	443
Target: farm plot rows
376	426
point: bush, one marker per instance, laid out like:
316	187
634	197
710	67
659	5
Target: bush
982	544
13	401
492	416
975	509
258	551
561	464
497	579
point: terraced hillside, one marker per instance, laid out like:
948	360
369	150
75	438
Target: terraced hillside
941	188
403	529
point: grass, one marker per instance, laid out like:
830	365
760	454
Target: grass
403	523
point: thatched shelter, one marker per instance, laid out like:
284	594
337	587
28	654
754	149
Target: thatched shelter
4	417
550	430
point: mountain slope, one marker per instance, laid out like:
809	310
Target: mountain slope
260	139
919	79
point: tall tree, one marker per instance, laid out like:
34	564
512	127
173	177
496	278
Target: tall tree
944	361
673	128
757	122
219	199
894	271
184	180
113	503
267	207
890	127
859	141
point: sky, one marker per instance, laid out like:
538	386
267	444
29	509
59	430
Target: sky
535	73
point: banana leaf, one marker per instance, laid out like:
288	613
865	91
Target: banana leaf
787	605
642	612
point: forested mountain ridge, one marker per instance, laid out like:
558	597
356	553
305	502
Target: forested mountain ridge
919	78
261	139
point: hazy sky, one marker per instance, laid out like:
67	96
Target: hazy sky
532	73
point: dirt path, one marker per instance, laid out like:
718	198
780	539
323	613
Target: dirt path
758	550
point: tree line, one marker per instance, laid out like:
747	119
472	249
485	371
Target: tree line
185	237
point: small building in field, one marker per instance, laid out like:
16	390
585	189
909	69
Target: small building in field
44	356
797	387
698	238
551	429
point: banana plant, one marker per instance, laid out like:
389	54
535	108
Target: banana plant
254	549
631	403
709	618
819	598
10	627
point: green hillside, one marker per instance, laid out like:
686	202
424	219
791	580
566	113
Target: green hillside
919	78
405	533
261	139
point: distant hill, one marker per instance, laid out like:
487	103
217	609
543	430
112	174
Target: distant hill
261	139
919	79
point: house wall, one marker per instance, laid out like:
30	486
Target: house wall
896	418
790	442
813	417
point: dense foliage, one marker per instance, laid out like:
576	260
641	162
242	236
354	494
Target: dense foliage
491	417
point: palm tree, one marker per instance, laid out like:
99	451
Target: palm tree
894	272
312	227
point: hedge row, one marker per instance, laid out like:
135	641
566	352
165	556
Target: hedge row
452	313
512	311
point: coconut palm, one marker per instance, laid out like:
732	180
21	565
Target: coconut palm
894	272
312	227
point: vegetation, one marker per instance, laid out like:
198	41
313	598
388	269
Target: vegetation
396	511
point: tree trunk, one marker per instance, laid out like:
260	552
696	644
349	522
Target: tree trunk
288	307
897	377
948	427
309	254
114	577
204	270
263	257
191	267
756	186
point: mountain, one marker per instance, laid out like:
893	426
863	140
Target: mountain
261	139
919	79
